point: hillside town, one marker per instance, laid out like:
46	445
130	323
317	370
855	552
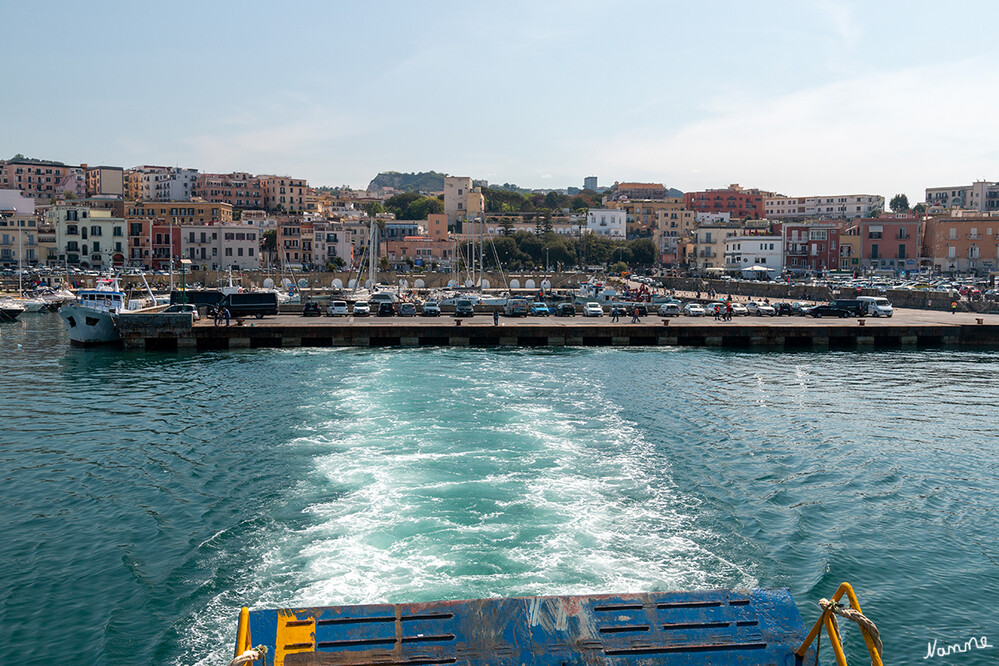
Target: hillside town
151	218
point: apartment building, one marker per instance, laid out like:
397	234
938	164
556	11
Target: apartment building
609	222
284	193
641	214
88	237
746	253
962	242
630	191
709	247
221	247
812	247
332	244
105	181
20	242
180	213
42	180
738	202
462	200
889	242
981	196
238	189
847	206
159	183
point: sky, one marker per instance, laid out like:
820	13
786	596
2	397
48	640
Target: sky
802	98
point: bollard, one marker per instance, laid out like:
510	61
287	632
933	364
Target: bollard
860	321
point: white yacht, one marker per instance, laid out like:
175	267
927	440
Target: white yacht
93	319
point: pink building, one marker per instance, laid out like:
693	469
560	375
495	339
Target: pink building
888	242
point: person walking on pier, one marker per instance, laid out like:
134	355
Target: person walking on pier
495	317
614	316
225	313
634	316
953	307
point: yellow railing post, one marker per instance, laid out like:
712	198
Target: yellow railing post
826	619
243	639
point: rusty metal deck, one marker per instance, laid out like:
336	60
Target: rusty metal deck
718	627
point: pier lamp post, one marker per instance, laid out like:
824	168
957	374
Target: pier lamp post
184	263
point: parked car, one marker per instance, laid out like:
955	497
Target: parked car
337	309
386	309
800	308
516	307
565	310
539	309
829	310
854	306
182	308
669	310
783	309
739	310
361	309
431	309
877	306
714	308
759	309
694	310
593	309
464	308
405	309
311	309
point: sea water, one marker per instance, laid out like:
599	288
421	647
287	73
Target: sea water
144	498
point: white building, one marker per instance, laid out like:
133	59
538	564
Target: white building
221	247
743	253
846	206
712	218
982	196
88	238
332	241
611	222
157	183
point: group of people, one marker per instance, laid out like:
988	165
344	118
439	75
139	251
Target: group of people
220	314
616	314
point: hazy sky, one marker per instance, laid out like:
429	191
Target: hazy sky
799	97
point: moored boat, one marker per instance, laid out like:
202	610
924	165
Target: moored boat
92	320
9	310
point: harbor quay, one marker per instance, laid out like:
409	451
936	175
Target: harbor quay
907	329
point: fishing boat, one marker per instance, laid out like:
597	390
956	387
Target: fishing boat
709	627
92	320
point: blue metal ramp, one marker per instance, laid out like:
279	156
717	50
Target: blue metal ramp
717	627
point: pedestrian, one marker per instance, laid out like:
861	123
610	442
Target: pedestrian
495	317
953	307
718	311
613	313
634	316
218	315
728	310
225	313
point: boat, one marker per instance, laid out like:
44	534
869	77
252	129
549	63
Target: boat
9	310
93	319
711	627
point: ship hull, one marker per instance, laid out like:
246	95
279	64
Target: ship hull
88	327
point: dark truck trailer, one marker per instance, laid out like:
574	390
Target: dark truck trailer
250	304
198	297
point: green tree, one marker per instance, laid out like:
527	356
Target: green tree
507	225
269	243
643	252
383	264
372	208
919	208
619	267
899	203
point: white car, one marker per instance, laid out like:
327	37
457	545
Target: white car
183	308
738	309
669	310
760	309
361	309
694	310
337	309
592	309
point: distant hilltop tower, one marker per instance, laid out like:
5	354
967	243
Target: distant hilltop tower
590	183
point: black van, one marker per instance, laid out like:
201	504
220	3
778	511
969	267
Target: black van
250	304
853	306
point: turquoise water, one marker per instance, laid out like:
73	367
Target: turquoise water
145	497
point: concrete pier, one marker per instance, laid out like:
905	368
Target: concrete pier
906	330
